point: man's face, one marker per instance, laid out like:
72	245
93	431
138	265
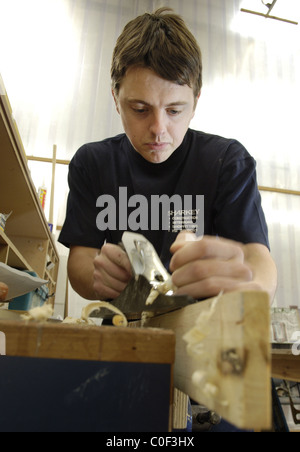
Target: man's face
155	113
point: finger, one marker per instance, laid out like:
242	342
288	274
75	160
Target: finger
200	270
103	265
105	293
212	287
117	256
183	238
107	285
207	248
112	272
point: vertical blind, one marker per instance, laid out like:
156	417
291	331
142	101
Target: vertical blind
55	60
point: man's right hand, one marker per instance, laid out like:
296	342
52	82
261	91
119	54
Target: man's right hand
112	271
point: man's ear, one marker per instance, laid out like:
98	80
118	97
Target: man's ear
196	103
197	99
116	100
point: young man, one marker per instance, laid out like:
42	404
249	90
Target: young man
156	84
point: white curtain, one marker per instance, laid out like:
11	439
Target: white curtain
55	61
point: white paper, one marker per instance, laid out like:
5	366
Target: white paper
19	283
2	344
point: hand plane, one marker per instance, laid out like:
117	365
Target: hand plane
151	288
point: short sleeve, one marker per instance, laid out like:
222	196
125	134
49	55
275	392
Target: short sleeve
80	225
238	211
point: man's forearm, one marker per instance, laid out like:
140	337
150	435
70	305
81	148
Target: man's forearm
81	271
263	267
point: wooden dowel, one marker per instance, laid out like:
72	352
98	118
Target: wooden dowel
284	191
47	160
51	211
267	16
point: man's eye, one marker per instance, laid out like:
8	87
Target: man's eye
174	112
139	110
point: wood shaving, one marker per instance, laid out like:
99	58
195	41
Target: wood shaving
204	377
152	296
73	321
39	314
145	316
118	320
200	331
160	288
3	292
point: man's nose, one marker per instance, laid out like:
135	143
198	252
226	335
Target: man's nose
158	123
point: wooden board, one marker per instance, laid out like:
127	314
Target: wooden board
105	343
228	367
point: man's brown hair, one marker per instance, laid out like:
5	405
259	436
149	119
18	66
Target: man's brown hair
162	42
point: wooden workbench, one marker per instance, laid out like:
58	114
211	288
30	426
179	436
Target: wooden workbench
223	360
285	364
58	377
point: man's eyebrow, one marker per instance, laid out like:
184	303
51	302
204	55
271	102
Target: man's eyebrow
143	102
137	101
174	104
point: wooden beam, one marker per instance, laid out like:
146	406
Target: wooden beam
91	343
223	355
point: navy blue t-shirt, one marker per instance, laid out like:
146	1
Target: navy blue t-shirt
113	188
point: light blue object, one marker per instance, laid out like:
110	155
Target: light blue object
30	300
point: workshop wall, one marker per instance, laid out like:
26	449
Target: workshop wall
55	61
